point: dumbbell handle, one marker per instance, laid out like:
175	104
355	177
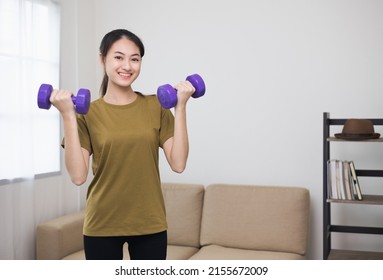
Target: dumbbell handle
81	101
167	95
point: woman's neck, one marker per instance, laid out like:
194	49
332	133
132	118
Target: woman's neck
119	95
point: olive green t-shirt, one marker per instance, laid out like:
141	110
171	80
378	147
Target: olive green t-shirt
125	197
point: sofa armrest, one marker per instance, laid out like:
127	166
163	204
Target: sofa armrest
60	237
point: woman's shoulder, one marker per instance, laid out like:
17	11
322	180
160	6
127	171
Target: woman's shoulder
150	99
97	102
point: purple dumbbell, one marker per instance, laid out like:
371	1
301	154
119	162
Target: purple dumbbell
81	101
167	95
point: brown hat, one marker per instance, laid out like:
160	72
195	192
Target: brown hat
358	129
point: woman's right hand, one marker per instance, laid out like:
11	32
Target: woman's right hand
62	100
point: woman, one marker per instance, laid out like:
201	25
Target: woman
123	132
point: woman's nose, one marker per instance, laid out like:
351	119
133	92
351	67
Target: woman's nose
126	65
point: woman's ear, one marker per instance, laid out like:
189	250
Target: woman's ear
102	60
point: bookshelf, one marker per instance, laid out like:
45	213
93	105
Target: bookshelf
328	226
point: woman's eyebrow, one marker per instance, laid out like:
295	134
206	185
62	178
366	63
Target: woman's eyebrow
121	53
118	52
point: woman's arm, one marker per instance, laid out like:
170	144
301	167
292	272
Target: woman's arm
176	148
76	157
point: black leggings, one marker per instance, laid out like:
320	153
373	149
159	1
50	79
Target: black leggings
141	247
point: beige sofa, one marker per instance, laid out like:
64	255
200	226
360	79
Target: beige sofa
217	222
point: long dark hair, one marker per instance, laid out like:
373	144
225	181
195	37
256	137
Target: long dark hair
107	43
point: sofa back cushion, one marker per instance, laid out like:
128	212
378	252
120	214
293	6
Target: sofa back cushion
183	204
256	217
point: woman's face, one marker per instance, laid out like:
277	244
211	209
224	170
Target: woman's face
122	63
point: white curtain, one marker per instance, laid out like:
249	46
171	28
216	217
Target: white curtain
29	137
29	56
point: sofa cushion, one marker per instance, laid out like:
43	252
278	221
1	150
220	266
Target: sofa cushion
216	252
263	218
79	255
173	252
180	252
183	204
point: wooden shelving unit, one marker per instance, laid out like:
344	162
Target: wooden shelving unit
328	227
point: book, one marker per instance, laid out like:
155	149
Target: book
331	180
342	182
355	181
347	181
338	181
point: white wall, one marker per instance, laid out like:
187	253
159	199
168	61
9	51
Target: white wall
271	69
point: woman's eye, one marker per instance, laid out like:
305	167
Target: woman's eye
118	57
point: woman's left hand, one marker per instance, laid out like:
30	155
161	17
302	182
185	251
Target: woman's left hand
184	90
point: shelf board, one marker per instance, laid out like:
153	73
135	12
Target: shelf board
334	139
367	199
354	255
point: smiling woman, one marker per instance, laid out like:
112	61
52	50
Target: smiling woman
122	134
29	56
